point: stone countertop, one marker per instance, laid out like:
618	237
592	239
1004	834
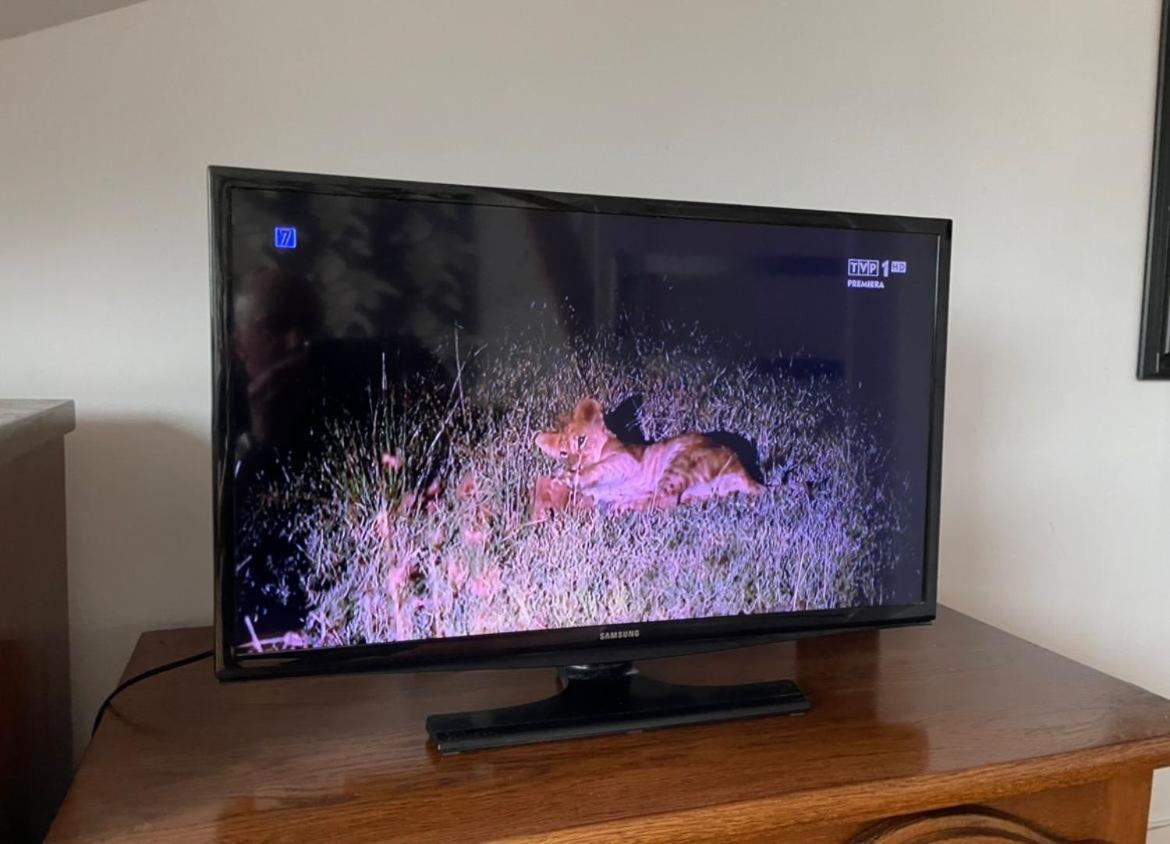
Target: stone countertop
27	423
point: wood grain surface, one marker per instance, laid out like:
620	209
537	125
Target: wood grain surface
907	720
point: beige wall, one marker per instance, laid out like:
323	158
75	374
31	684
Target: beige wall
1028	122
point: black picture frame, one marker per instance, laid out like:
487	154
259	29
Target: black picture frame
567	645
1154	342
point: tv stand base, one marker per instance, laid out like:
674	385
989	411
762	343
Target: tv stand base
610	698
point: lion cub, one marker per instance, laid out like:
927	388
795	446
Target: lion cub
687	467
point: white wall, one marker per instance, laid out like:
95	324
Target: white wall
1028	122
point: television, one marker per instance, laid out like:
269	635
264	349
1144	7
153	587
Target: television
465	427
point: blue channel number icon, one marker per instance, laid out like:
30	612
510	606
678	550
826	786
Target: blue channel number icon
284	237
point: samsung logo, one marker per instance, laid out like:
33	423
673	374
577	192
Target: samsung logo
620	634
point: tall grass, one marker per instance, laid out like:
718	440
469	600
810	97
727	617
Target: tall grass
415	523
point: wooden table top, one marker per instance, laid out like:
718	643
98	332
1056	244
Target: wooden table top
958	711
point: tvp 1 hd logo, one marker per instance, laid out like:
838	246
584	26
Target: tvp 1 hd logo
867	273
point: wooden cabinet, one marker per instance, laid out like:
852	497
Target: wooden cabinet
956	731
36	746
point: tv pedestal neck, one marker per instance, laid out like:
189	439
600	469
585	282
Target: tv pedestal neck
601	698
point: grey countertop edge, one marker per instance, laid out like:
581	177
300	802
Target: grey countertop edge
28	423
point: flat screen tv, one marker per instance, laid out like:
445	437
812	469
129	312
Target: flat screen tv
464	427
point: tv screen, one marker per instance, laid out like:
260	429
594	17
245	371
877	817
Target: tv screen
464	423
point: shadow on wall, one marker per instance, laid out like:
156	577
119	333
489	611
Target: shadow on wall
139	523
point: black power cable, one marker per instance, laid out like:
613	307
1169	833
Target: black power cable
150	672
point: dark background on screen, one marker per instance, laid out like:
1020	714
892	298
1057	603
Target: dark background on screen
400	275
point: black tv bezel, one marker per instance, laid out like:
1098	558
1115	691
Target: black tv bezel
568	645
